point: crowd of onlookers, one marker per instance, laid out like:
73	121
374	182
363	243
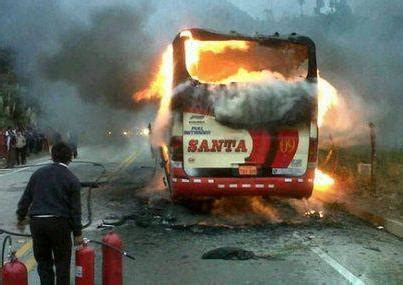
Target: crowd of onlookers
19	143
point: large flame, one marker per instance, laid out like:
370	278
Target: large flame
166	77
160	89
194	49
161	86
322	181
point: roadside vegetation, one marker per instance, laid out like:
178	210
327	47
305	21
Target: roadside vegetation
385	195
13	108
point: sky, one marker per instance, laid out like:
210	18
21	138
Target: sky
256	8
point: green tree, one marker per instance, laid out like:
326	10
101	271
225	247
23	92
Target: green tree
13	109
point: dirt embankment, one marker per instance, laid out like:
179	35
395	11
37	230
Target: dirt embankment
382	196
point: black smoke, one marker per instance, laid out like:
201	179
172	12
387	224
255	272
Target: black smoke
83	60
80	61
106	60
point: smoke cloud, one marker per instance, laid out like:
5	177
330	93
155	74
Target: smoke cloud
263	103
106	60
82	61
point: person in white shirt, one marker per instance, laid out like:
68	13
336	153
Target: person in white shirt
8	138
20	148
10	146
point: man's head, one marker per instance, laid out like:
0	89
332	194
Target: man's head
61	152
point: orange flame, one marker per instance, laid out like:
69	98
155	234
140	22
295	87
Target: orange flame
160	89
162	84
322	181
166	79
194	48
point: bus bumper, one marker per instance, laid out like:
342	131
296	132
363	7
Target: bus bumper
193	187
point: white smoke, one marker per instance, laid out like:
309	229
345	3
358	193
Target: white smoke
162	122
263	102
347	121
260	103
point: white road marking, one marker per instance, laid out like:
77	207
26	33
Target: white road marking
36	163
14	171
338	267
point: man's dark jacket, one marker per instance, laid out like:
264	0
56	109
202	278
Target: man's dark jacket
53	190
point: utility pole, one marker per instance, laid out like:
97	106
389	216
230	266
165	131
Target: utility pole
301	6
319	5
373	156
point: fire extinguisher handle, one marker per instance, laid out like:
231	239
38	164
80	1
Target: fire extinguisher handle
10	249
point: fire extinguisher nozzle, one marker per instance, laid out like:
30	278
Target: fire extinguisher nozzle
128	255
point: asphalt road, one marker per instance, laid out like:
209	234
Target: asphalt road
291	247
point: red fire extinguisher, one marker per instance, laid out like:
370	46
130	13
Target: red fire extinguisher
85	264
14	272
112	259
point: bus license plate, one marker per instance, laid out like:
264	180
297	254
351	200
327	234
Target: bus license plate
247	170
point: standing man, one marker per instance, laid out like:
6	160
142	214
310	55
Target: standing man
29	134
53	199
72	139
20	148
10	147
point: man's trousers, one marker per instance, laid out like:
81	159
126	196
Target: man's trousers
52	247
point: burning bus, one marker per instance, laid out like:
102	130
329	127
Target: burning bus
243	115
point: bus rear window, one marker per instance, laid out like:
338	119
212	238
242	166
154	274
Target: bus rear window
223	62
